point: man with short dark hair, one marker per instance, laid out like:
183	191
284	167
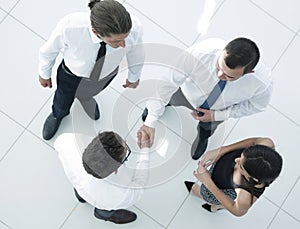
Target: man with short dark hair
217	81
94	168
92	45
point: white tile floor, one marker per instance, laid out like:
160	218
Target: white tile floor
34	193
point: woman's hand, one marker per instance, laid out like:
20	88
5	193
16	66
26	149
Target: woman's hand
210	157
202	174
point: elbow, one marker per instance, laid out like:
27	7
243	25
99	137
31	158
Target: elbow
239	213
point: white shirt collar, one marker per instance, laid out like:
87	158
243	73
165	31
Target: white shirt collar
94	38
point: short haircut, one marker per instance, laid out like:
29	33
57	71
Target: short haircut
242	52
104	154
109	17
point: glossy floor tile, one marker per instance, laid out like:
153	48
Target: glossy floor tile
34	192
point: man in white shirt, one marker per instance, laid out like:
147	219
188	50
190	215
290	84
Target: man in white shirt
248	87
77	36
95	169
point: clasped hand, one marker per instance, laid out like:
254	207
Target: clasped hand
131	85
208	115
201	173
143	139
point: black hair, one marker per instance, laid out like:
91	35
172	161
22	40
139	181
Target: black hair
242	52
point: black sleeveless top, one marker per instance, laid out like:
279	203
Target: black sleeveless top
223	174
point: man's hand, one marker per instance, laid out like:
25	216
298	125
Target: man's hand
45	83
149	131
131	85
208	115
143	139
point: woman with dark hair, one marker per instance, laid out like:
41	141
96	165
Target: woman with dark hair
238	175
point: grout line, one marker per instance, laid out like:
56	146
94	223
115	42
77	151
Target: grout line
5	224
39	138
145	213
12	119
25	128
287	117
266	12
174	216
182	42
41	108
283	202
68	216
210	20
27	27
284	51
237	122
298	32
12	145
18	137
8	13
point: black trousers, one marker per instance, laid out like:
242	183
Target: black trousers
70	86
205	129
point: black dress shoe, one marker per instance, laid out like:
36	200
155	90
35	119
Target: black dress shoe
79	198
189	185
198	148
208	208
120	216
50	126
145	114
91	108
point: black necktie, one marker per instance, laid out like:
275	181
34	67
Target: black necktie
213	96
95	74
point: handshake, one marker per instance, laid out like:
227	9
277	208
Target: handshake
143	139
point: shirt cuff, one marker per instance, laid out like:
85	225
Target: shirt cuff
134	76
150	121
144	154
221	115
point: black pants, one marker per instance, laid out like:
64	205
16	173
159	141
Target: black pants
205	129
70	86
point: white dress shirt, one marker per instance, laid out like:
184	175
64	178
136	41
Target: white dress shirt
105	193
196	75
74	38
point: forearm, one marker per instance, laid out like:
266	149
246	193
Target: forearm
238	145
141	173
225	201
253	105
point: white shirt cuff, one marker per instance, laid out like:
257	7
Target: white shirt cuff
221	115
150	121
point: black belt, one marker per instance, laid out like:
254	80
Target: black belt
66	69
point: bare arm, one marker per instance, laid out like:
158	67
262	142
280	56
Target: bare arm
213	156
238	207
241	205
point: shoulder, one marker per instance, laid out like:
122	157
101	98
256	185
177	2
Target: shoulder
265	141
262	73
71	142
136	23
75	21
136	31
